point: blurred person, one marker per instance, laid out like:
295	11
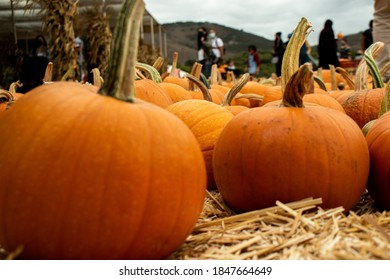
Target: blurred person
367	37
202	49
217	47
345	49
327	47
278	48
34	66
253	64
304	53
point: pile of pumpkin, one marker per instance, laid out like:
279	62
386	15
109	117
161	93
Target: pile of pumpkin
120	171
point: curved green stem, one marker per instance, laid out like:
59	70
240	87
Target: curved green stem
290	63
369	55
119	80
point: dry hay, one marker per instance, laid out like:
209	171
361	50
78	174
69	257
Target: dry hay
298	230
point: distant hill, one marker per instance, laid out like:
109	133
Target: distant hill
182	36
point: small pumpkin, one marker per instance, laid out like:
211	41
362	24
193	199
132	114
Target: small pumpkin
363	106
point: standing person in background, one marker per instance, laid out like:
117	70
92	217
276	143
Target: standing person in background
253	66
278	52
34	65
381	32
79	48
327	47
367	39
201	56
304	53
217	48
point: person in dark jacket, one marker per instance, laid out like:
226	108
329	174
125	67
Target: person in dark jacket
327	47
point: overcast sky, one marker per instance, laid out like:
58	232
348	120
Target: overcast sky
266	17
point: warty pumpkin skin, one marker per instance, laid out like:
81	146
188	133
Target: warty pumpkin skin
93	179
285	153
363	106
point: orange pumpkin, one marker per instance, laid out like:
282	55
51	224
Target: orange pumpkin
98	178
206	120
149	90
363	106
290	153
378	139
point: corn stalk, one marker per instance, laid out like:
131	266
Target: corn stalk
96	22
58	17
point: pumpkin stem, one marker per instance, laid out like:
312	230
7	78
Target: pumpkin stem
158	63
320	82
174	63
299	84
151	71
48	78
195	71
14	86
347	77
97	79
333	77
229	96
361	76
214	75
369	57
290	63
202	87
119	81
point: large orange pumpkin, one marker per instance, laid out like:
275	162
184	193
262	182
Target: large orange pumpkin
87	176
290	153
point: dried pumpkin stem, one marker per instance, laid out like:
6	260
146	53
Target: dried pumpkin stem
119	81
158	63
299	84
48	78
205	91
290	63
333	77
174	63
320	82
347	77
229	96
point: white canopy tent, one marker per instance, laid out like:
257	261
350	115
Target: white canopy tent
18	24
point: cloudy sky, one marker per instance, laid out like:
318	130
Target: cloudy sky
265	17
